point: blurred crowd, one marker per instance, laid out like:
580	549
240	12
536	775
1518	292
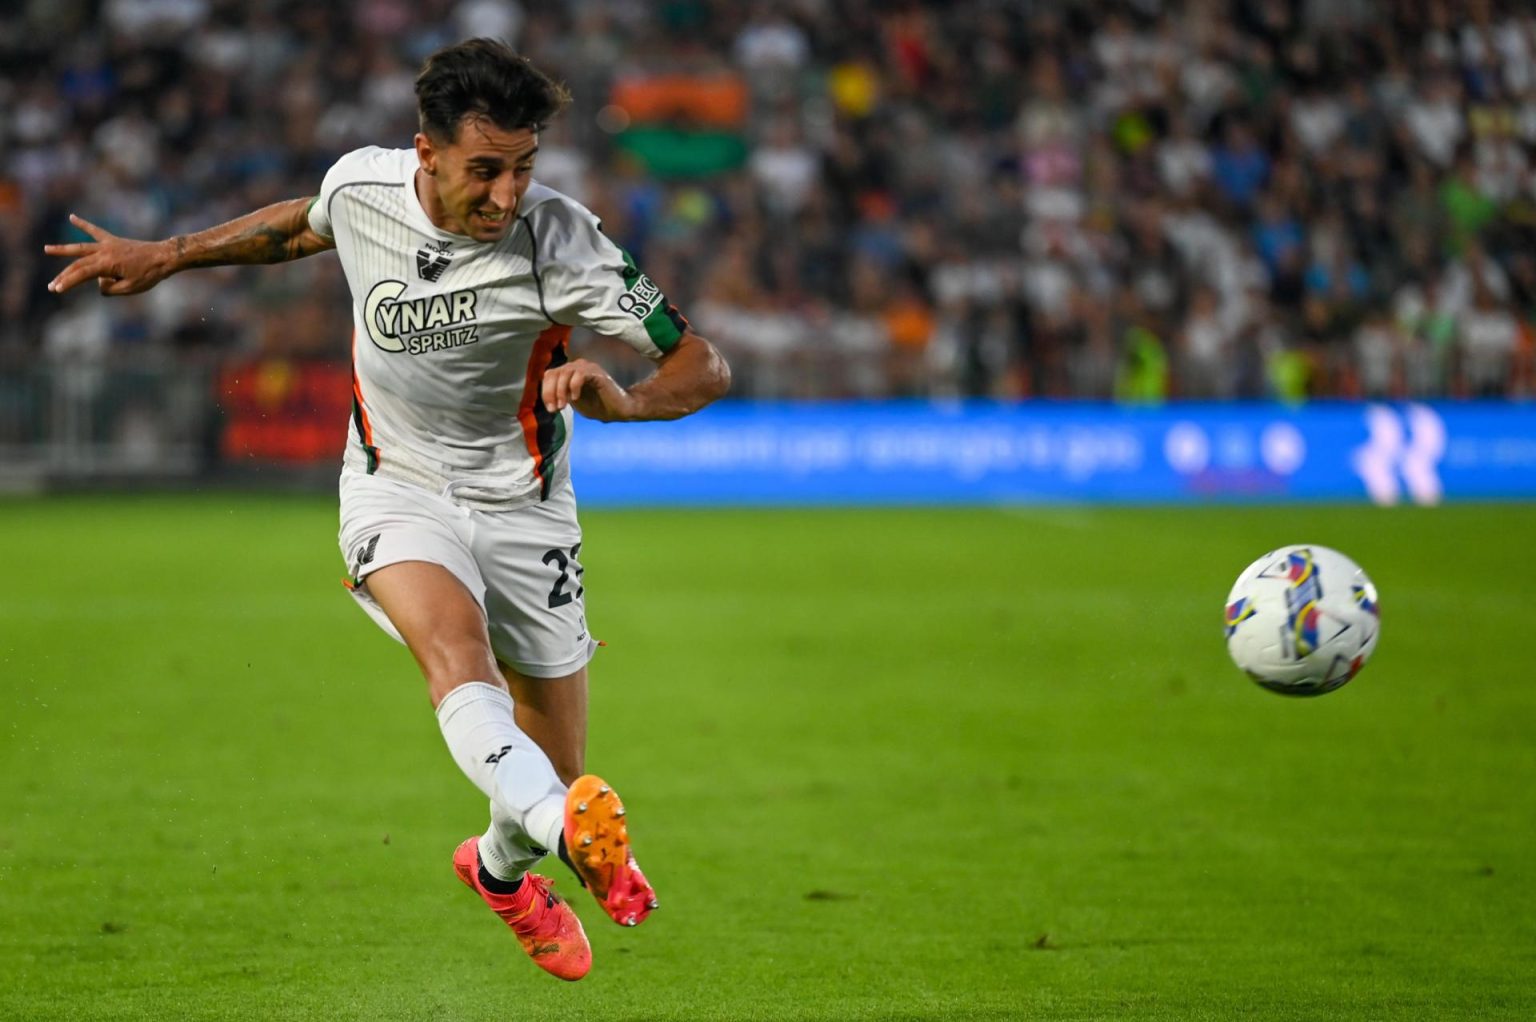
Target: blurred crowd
1138	200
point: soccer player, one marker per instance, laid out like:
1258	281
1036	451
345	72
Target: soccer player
458	520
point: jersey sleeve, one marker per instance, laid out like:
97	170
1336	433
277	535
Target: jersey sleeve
346	170
319	211
587	280
319	220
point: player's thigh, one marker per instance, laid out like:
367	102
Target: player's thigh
553	712
413	571
530	560
440	622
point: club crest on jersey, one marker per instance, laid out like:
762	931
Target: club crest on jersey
419	325
432	260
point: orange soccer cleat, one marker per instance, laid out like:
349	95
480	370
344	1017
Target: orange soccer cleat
597	844
545	925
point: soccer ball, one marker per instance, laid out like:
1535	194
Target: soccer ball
1302	620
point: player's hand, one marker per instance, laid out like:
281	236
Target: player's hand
121	266
587	387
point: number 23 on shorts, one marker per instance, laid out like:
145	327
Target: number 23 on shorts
570	572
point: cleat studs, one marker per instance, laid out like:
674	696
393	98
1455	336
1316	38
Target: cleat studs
581	807
653	904
619	811
604	790
586	840
630	921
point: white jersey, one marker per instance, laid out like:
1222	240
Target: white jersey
452	336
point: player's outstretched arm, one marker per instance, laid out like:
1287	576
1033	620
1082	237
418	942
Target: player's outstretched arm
686	379
123	266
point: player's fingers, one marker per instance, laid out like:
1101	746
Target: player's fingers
71	249
571	385
99	233
75	273
547	389
117	286
562	386
576	383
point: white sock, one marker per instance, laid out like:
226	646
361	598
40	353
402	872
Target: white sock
527	798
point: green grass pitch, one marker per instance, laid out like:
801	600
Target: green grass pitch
902	764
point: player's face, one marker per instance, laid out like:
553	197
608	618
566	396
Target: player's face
474	183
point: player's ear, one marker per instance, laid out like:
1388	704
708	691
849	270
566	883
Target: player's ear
426	154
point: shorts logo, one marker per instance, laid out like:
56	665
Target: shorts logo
432	260
419	325
363	555
641	299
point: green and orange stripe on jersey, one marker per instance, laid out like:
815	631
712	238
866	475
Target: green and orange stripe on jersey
360	420
543	430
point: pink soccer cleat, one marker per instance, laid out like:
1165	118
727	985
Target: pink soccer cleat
544	924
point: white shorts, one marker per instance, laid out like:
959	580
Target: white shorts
521	566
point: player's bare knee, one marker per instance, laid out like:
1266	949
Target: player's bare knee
450	661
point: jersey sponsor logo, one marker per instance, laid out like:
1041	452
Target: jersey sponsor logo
418	325
432	259
641	299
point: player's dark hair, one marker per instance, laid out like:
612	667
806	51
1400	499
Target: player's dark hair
484	77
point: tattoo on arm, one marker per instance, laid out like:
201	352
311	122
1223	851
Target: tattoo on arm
276	234
260	243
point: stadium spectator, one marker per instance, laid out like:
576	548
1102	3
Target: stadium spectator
1062	153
